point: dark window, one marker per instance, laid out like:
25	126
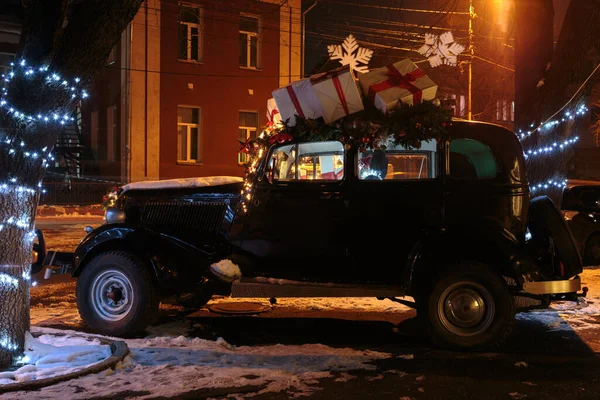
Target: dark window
471	159
190	19
249	45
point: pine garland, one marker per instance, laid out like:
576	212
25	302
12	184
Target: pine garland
407	125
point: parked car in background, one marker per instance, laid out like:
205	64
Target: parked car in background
581	207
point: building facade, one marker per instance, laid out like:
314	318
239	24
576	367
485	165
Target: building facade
186	83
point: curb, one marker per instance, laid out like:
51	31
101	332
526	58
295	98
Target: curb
118	349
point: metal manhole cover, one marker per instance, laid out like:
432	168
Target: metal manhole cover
243	307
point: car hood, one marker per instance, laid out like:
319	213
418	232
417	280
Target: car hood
182	183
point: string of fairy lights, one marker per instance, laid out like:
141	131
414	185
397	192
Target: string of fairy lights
554	147
20	150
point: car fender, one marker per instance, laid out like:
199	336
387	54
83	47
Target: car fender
175	264
489	244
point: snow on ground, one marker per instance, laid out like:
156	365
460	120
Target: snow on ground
52	355
183	183
226	270
170	366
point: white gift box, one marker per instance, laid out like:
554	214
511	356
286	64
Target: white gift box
297	98
273	115
402	81
338	94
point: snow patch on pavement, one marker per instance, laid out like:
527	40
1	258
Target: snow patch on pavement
171	366
51	355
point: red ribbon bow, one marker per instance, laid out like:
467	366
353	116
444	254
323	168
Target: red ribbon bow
271	114
245	148
280	138
399	80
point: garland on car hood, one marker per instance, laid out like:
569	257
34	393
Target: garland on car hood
407	125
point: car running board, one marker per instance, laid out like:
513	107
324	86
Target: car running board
269	287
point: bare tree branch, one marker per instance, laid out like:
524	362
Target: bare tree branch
42	19
94	27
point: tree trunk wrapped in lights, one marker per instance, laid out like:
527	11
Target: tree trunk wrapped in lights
63	43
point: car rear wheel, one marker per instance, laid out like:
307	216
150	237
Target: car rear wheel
116	295
469	308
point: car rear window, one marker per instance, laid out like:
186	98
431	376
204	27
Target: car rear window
471	159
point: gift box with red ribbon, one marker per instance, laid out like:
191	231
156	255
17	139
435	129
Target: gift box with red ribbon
338	93
402	81
273	115
297	98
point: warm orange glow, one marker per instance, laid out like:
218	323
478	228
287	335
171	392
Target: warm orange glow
503	13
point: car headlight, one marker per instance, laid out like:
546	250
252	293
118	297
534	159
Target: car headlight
114	216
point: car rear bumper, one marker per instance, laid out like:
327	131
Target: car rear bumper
553	287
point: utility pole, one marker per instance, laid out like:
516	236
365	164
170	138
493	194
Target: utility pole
303	52
471	54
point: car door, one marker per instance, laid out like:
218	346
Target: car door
297	223
395	198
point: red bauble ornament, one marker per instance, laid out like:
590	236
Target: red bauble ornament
366	139
362	149
444	124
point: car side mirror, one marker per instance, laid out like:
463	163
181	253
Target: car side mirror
581	198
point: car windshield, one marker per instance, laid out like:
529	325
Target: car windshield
307	161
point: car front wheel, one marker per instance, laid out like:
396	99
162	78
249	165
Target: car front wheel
116	295
469	308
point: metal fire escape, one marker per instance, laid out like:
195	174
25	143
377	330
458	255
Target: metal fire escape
72	158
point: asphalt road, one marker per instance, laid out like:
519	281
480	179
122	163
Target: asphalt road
537	362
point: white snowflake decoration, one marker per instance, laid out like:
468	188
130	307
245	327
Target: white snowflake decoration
349	53
441	50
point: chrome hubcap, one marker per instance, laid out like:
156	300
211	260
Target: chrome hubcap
466	309
112	295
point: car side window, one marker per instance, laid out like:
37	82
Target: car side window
399	163
471	159
321	161
590	198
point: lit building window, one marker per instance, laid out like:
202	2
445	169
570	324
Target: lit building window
249	57
189	140
505	110
248	125
190	31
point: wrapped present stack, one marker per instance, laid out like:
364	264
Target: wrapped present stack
273	115
402	81
335	94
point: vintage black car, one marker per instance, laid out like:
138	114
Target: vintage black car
581	205
445	224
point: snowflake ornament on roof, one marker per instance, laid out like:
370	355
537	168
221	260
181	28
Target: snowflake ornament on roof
349	53
441	50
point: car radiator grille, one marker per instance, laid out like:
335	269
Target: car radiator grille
205	218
